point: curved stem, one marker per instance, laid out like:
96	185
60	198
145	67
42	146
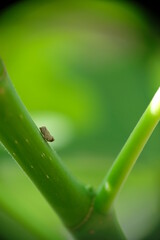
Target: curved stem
23	140
125	161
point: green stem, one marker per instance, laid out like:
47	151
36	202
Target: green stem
125	161
23	140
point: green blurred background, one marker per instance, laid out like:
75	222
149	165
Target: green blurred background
87	70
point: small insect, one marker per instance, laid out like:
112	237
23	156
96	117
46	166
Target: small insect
46	134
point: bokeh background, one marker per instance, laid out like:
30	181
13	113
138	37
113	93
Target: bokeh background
87	70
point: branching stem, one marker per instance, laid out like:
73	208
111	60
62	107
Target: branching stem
125	161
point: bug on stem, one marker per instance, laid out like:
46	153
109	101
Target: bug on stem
46	134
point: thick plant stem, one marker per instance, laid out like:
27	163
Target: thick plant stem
125	161
100	227
23	140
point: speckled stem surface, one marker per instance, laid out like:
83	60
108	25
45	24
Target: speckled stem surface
23	140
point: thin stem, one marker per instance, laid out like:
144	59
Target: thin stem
125	161
23	140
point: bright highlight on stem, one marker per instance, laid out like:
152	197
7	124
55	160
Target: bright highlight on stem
125	161
155	103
